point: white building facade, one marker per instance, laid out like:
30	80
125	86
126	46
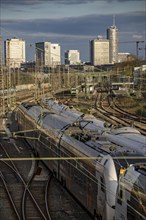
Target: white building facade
123	57
99	51
55	54
72	57
14	51
47	54
112	36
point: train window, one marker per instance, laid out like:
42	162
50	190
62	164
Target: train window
102	184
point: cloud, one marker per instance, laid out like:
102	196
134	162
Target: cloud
75	32
34	2
137	36
91	25
76	26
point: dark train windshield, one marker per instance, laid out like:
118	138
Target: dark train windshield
123	161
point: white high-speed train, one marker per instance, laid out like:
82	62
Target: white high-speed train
131	193
124	136
87	164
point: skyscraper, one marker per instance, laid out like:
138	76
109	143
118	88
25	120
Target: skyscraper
14	51
47	54
112	36
72	57
99	51
55	54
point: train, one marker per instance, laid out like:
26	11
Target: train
83	160
131	193
123	136
129	137
73	115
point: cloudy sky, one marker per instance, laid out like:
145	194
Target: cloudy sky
73	23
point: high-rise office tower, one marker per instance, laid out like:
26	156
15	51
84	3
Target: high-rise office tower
99	51
72	57
55	54
14	51
47	54
112	36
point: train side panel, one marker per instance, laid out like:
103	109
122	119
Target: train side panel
77	176
131	196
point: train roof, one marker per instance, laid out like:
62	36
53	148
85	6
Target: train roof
133	141
87	131
45	117
35	112
64	110
89	122
101	148
54	122
78	135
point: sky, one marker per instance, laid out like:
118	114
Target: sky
73	23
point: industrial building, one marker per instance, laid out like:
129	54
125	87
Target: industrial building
99	51
14	52
124	57
112	36
72	57
47	54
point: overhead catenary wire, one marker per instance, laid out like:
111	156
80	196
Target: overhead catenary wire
75	166
67	159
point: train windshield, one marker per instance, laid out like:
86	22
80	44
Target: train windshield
123	161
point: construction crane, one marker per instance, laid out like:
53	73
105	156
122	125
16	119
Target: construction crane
137	45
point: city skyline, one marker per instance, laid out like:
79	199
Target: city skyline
47	54
14	52
73	23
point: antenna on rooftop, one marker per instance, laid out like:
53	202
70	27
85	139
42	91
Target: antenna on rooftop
114	20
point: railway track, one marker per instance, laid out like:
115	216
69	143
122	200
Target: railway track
28	193
29	203
20	96
24	186
110	112
10	176
8	192
37	207
105	108
117	109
